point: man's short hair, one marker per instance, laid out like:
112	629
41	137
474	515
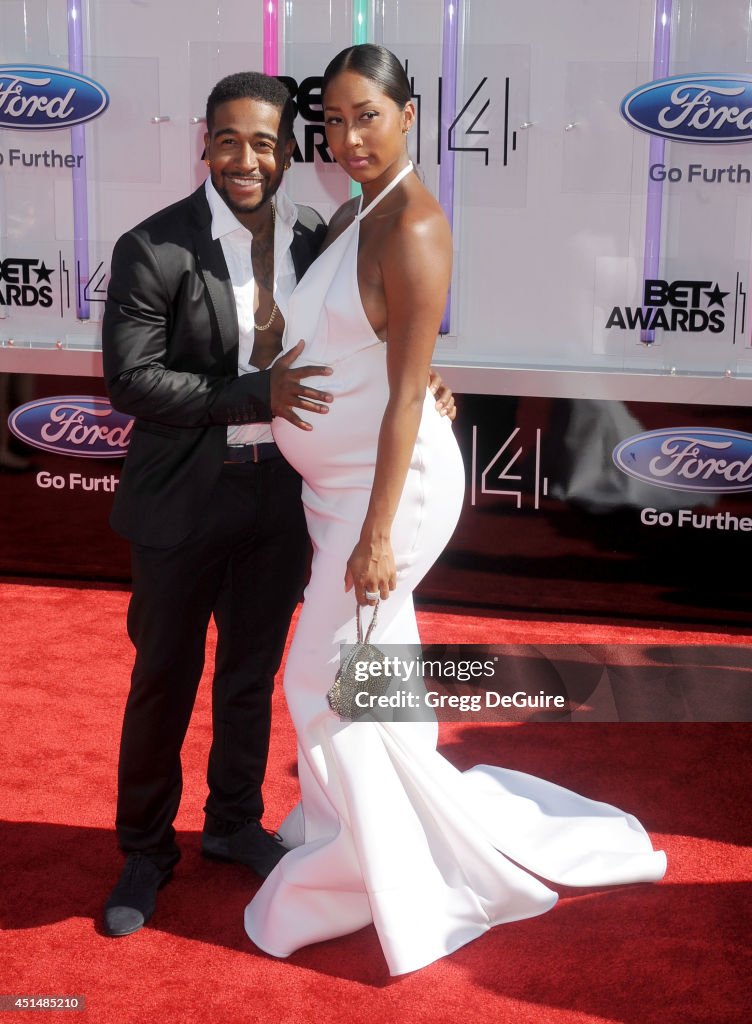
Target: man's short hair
252	85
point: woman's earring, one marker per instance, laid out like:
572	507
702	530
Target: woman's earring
208	163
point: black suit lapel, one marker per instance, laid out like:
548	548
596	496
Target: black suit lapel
300	251
210	264
306	241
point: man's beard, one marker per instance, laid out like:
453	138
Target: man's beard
236	208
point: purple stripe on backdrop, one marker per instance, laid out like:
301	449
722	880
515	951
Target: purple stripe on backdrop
449	58
654	203
78	148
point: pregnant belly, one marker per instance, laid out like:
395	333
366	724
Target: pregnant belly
341	447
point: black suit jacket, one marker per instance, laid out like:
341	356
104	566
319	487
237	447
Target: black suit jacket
170	353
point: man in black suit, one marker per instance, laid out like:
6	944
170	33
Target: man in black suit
193	322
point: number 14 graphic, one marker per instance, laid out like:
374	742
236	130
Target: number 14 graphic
509	457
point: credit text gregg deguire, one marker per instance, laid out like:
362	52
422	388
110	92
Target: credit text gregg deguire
461	701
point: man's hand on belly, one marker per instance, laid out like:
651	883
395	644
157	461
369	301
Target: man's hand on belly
288	393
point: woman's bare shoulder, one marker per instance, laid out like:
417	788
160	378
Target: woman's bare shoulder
422	218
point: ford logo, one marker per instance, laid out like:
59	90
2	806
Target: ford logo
693	108
87	427
34	97
689	459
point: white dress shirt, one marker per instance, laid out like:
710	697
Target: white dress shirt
236	246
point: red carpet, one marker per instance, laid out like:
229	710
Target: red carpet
674	953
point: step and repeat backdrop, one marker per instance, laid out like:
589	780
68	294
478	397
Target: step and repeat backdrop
595	161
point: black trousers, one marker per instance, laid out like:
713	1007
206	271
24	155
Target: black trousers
244	563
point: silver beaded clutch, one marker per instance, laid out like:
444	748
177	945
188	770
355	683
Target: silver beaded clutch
355	677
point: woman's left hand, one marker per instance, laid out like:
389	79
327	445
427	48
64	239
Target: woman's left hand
443	394
371	571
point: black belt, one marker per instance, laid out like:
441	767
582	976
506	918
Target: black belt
252	452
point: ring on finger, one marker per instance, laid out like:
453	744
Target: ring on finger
371	595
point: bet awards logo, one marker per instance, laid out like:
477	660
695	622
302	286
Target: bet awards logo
466	125
25	283
30	283
689	306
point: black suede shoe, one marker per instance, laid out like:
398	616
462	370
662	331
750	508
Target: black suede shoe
251	845
134	898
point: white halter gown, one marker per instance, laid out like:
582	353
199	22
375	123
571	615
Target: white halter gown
388	831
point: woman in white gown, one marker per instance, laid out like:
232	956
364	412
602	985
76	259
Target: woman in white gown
387	830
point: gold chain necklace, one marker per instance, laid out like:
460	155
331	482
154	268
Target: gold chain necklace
267	325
